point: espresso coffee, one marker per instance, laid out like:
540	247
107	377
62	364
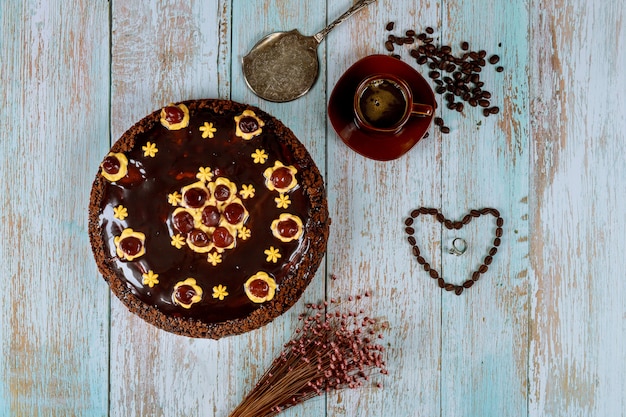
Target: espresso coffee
383	103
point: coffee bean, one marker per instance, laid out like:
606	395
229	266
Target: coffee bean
409	231
438	121
494	59
494	110
496	242
426	267
415	213
459	107
458	290
448	223
445	129
499	69
475	276
483	268
493	251
410	33
430	30
499	221
422	60
488	260
468	284
499	232
433	274
434	74
449	287
390	26
416	251
408	221
464	46
486	112
389	46
411	240
441	282
440	90
421	260
483	103
466	219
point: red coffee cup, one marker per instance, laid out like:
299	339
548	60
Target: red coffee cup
383	103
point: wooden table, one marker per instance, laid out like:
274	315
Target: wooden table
542	333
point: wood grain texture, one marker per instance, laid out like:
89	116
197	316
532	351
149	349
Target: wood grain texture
162	52
578	312
368	249
54	306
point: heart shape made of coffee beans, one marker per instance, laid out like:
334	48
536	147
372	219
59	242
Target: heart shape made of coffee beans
449	224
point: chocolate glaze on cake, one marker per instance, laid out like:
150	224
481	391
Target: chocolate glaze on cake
208	218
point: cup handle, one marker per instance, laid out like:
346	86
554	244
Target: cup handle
422	109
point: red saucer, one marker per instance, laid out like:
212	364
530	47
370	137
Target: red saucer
381	147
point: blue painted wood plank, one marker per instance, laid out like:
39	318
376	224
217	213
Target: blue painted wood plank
54	113
578	312
485	163
368	249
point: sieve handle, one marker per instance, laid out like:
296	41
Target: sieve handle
319	36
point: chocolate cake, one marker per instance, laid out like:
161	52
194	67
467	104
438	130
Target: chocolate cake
208	218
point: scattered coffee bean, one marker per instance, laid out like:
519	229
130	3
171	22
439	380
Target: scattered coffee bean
455	75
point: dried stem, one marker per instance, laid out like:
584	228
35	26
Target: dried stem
330	351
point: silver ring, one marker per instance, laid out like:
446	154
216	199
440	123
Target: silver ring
458	247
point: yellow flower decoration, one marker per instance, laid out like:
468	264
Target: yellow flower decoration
150	279
247	191
272	254
205	174
243	233
149	150
120	212
282	201
220	292
248	125
259	156
214	258
207	130
178	241
175	198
